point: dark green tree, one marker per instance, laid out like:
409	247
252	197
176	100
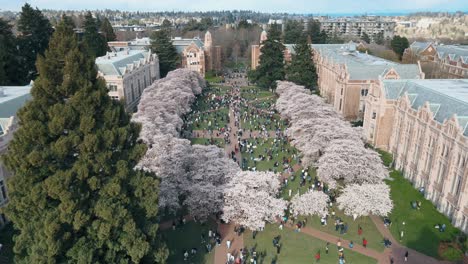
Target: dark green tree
75	196
302	70
399	44
316	35
166	25
379	38
293	31
9	66
271	68
107	30
365	38
95	41
161	44
34	32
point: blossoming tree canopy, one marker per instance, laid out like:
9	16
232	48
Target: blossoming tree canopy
250	199
310	203
361	200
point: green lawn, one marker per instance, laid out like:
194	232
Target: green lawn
186	238
294	185
210	120
207	141
255	123
253	94
6	235
369	229
419	231
263	146
297	248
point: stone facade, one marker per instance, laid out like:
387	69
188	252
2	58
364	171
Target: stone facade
424	124
439	61
195	54
11	99
346	75
128	73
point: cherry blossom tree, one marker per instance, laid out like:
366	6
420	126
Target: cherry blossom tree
350	161
310	203
362	200
250	199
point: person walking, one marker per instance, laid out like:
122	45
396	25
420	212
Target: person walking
326	247
364	242
317	256
228	244
406	256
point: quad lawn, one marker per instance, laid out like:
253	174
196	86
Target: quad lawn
187	237
297	248
253	94
263	119
419	232
207	141
261	146
214	120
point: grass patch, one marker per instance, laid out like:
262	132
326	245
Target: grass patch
369	229
210	120
297	248
418	232
279	150
187	237
387	158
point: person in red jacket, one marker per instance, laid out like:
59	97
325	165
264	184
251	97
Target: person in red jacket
317	256
364	242
359	231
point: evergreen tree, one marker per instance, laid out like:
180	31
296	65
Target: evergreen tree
302	69
271	68
379	38
9	66
166	25
161	44
293	31
107	30
34	32
365	38
95	42
313	31
399	44
74	196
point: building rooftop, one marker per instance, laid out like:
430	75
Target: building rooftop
12	99
362	66
453	51
445	97
180	43
116	63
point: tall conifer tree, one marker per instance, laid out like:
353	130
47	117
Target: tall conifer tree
107	30
34	33
161	44
95	41
302	70
74	196
271	68
9	67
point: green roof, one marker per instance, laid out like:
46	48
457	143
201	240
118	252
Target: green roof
13	98
114	63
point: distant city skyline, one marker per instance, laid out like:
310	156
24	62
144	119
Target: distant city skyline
276	6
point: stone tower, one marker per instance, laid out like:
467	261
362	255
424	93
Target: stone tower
263	36
208	40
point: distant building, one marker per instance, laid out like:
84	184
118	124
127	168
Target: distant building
357	27
439	61
128	73
424	124
345	75
196	55
12	98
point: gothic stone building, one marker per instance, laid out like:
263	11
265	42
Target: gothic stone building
439	61
195	54
424	124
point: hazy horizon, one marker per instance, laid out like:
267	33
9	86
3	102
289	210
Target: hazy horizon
331	7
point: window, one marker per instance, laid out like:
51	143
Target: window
374	115
114	97
3	194
364	92
112	87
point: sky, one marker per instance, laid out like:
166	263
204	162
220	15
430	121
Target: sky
289	6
